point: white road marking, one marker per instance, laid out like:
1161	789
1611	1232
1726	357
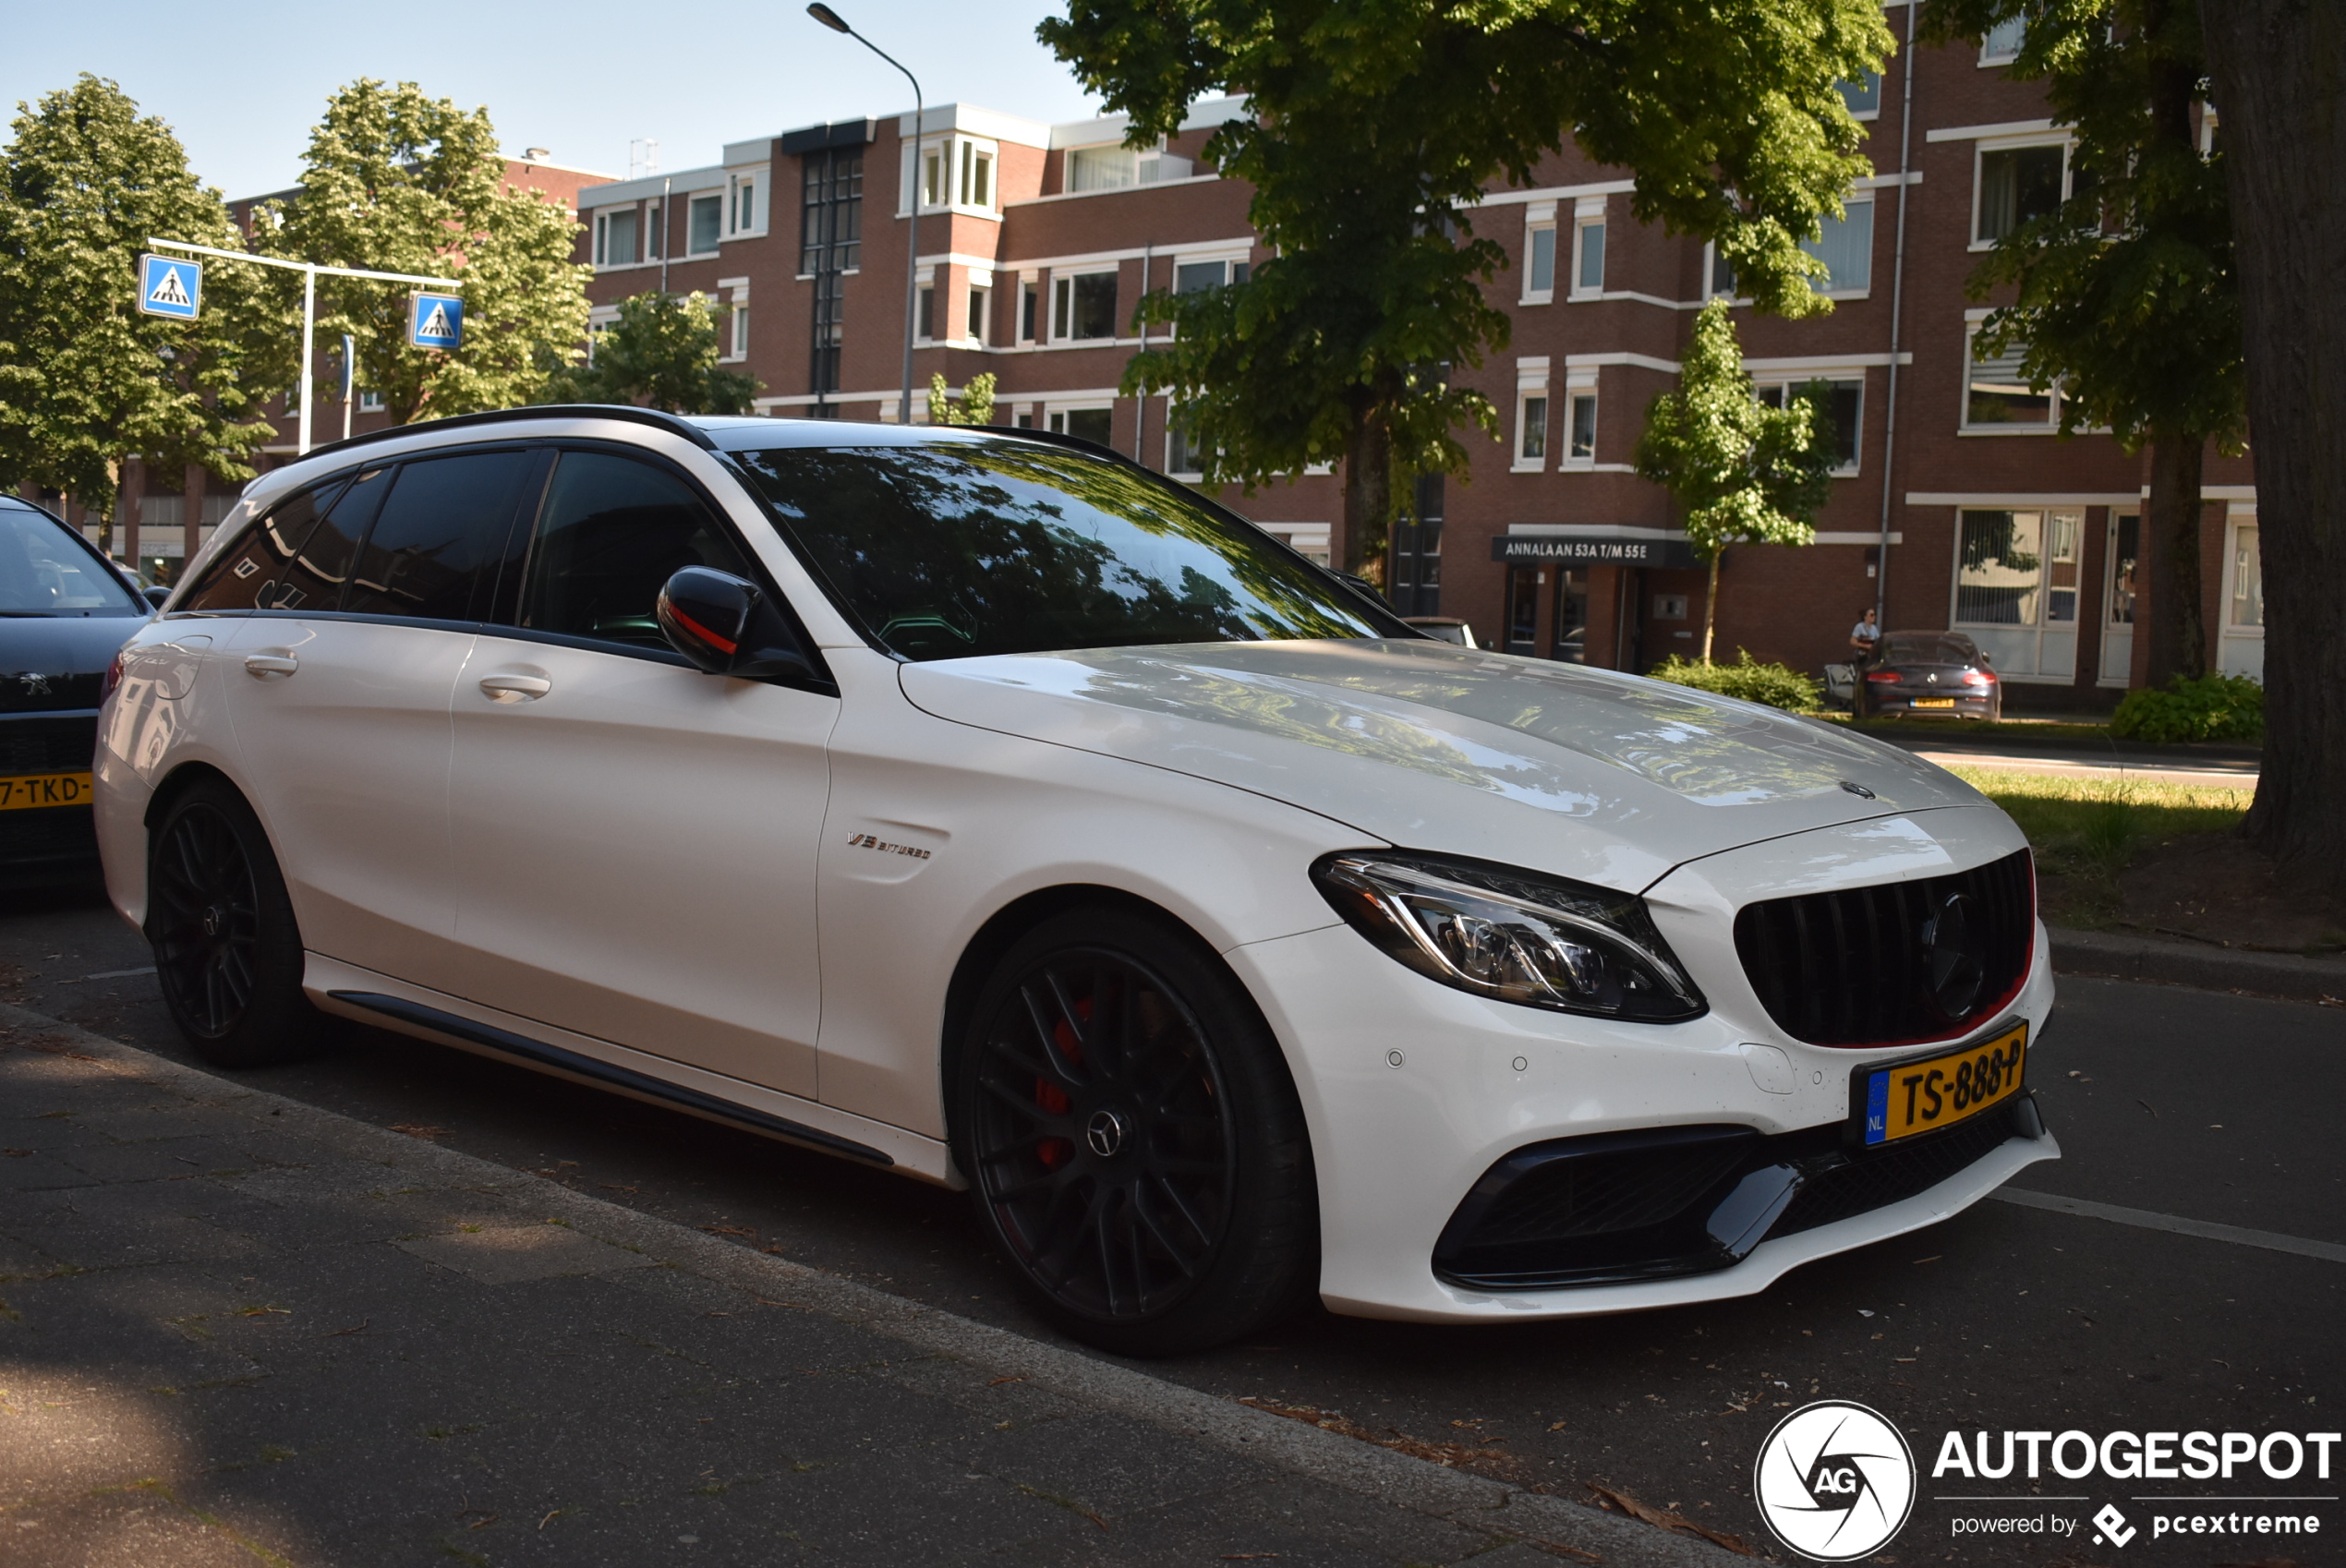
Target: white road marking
2329	1252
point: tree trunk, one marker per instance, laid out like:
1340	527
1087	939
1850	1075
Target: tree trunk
1711	605
1368	486
2172	560
2280	74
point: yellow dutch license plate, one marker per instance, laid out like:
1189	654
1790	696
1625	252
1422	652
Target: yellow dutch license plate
1934	702
29	792
1907	1098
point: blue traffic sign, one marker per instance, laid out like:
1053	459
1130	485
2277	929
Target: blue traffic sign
168	286
437	320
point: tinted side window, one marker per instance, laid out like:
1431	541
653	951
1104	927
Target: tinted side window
315	577
435	545
613	530
234	581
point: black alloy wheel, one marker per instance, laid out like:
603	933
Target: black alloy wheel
1134	1138
227	953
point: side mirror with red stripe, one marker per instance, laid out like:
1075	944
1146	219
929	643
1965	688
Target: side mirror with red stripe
723	624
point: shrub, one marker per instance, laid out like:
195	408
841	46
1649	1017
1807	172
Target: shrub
2214	708
1747	678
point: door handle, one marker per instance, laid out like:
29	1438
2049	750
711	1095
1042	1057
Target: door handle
261	666
508	687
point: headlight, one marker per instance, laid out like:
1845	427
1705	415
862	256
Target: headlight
1540	941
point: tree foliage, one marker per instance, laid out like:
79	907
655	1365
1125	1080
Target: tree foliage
2127	297
87	381
1745	472
396	181
1374	127
976	406
662	353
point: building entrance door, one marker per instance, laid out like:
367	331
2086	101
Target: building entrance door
2119	579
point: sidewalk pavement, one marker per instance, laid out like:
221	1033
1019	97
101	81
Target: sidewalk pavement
2168	961
236	1329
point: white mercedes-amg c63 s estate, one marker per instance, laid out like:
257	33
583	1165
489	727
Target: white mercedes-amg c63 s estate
978	803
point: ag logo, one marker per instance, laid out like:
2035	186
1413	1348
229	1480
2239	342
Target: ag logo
1835	1481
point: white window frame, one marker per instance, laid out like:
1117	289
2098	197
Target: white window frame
1538	218
1059	411
1171	436
1874	113
1579	386
1031	279
1849	204
692	199
980	288
1066	277
1981	147
1989	57
758	182
951	148
2052	426
1531	385
1709	270
737	321
372	402
924	280
603	215
1786	380
1588	214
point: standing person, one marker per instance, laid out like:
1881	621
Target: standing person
1864	640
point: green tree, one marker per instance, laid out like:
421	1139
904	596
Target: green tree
662	353
399	182
1374	128
1747	474
976	406
87	381
2278	70
2127	297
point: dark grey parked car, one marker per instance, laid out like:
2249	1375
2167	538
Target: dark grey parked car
1932	674
64	611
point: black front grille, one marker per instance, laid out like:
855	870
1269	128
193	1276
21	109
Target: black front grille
47	745
1852	967
1890	1175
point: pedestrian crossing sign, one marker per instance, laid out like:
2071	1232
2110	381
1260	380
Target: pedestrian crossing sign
171	287
436	321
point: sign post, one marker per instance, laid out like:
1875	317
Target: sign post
189	279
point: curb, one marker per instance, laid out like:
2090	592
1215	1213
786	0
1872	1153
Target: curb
1353	1465
2164	960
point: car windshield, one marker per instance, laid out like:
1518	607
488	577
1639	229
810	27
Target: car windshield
42	572
1001	545
1928	647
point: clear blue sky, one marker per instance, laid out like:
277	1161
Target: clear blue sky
242	82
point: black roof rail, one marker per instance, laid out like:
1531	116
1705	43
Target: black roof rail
675	424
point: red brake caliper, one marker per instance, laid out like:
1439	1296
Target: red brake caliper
1055	1151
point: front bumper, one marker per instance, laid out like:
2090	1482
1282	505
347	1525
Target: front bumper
1414	1091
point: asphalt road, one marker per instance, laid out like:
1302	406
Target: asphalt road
2207	1106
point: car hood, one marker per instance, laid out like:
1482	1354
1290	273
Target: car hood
58	661
1585	773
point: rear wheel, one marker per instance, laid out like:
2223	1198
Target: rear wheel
1134	1138
227	952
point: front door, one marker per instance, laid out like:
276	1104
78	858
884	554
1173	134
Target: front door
635	841
2120	580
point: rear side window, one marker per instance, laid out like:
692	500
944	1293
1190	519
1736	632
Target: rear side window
44	571
435	546
613	530
298	557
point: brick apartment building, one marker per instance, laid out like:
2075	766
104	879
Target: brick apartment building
1037	240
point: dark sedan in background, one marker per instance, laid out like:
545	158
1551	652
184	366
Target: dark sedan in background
1928	674
64	610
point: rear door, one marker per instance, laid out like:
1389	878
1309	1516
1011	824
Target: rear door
633	840
338	687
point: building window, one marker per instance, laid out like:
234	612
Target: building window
1030	295
1587	257
1845	245
1584	429
1844	404
978	300
2001	46
1862	93
1571	643
830	246
1997	393
2017	569
2125	555
933	176
739	332
1196	277
372	402
1118	168
1415	587
1185	455
1082	306
1530	428
1093	425
1539	264
744	213
977	176
1523	610
2015	185
615	238
705	224
925	319
2248	578
1719	274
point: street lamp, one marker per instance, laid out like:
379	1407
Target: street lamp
831	19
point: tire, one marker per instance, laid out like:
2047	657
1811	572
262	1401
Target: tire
228	955
1132	1139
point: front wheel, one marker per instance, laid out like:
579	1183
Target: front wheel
227	952
1133	1140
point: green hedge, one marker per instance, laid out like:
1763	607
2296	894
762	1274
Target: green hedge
2214	708
1747	678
